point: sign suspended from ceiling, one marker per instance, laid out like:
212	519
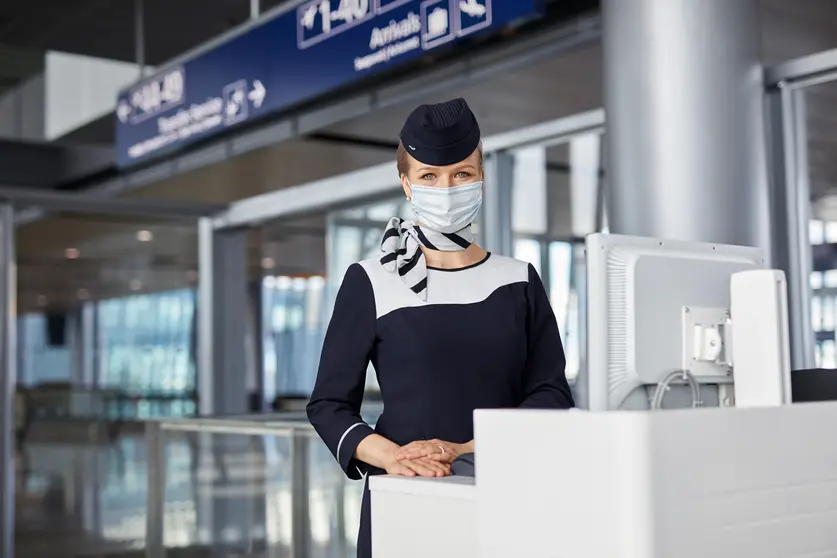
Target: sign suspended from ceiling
298	55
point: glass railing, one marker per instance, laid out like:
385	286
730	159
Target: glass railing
258	485
252	486
66	402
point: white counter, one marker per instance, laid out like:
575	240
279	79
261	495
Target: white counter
416	517
719	483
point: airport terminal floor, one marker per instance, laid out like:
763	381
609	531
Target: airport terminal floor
184	186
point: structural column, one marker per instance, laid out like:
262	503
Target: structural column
791	207
222	303
585	202
495	232
683	97
83	346
8	365
255	349
222	373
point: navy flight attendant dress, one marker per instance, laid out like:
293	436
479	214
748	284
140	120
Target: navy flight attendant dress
485	338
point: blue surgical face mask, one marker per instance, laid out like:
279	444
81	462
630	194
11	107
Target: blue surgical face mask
446	210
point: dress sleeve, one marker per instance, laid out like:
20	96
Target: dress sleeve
545	383
334	408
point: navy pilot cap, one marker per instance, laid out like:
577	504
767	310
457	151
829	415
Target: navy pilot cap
441	134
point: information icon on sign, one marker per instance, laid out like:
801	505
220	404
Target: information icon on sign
436	24
235	102
473	15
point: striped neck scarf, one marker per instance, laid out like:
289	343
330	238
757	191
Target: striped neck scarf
401	248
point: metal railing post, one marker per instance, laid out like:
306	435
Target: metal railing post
154	543
300	519
340	511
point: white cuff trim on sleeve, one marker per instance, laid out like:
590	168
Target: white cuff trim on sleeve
343	437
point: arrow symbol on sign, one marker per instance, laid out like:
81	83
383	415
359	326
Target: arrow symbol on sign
123	111
257	94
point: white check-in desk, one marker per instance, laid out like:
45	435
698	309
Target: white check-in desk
417	518
720	483
697	483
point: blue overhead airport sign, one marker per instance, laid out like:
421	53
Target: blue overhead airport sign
319	46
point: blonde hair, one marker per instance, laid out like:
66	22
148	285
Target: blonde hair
402	158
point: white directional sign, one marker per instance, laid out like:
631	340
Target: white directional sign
320	19
302	54
257	94
157	95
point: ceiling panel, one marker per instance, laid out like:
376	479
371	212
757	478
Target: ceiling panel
549	89
17	65
105	28
794	28
286	164
112	261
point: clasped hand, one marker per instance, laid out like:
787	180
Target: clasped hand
425	458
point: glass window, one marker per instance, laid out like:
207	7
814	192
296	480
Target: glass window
295	323
530	213
528	250
145	349
829	355
831	232
827	314
38	360
560	274
555	199
817	232
816	280
296	308
559	282
564	298
355	234
823	302
816	312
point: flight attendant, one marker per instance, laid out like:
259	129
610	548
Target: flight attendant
449	327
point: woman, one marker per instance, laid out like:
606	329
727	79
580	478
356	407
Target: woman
449	327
